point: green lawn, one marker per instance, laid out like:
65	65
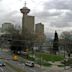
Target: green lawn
43	63
43	58
49	57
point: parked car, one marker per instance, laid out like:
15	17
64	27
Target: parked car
2	63
29	63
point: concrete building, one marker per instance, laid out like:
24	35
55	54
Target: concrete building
39	28
6	27
27	22
31	33
39	31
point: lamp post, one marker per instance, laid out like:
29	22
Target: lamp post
64	58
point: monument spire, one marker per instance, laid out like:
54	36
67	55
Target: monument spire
25	10
25	4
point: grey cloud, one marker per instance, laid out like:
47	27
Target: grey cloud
63	21
11	17
60	24
68	17
57	18
45	13
46	16
58	4
1	0
10	14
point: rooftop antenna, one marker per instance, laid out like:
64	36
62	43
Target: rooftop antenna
25	4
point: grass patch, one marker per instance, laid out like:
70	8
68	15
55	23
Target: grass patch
46	64
38	61
43	63
49	57
31	58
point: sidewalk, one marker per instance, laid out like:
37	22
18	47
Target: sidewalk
53	68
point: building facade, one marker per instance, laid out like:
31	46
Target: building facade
6	27
39	31
27	22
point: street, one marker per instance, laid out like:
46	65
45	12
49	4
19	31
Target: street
17	64
26	68
6	69
20	65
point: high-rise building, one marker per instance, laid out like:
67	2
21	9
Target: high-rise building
39	31
27	22
39	28
6	27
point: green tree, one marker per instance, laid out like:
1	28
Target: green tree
55	43
13	36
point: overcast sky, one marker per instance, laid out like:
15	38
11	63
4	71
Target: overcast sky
54	14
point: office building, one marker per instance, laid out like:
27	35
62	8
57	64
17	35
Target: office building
27	22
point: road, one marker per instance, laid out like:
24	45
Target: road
19	64
26	68
22	66
6	68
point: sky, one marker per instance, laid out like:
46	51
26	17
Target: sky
54	14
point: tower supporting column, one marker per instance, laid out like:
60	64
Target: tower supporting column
27	24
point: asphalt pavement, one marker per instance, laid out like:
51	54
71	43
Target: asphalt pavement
26	68
22	66
5	68
18	64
